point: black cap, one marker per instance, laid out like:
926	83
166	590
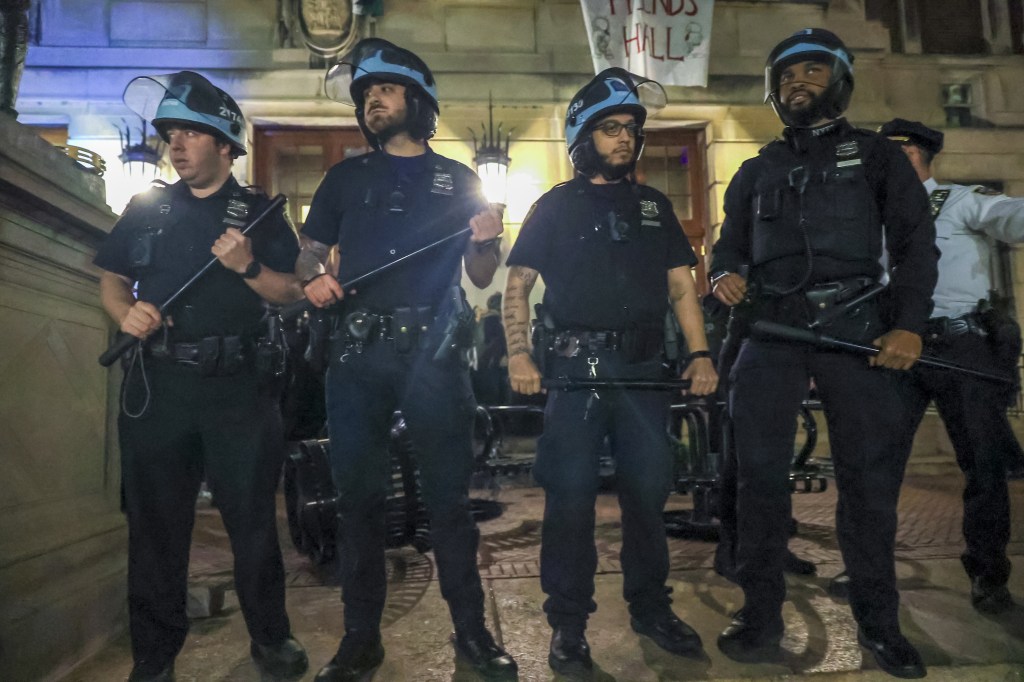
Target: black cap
913	132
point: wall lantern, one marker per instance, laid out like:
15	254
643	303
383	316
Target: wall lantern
957	100
492	159
147	157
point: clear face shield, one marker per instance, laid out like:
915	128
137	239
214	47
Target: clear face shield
379	59
186	96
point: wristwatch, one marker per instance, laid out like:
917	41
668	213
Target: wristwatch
252	270
715	276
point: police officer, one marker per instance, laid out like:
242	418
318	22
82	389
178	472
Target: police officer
193	403
807	216
397	345
614	258
968	327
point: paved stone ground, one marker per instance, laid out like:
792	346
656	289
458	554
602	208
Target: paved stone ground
956	642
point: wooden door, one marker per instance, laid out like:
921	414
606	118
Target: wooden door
675	162
292	161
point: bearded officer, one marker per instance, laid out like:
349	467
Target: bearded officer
400	344
806	218
614	260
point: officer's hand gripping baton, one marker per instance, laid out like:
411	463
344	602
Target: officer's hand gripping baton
126	341
302	305
615	384
797	335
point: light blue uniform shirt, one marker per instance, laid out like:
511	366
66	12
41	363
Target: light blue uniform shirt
970	219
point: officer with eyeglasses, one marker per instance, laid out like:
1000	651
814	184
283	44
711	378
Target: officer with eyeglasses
396	344
615	261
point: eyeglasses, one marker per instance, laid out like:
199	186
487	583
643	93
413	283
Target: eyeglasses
613	128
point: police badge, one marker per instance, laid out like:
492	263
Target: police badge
237	212
443	184
848	154
648	209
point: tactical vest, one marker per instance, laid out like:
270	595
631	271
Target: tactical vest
826	201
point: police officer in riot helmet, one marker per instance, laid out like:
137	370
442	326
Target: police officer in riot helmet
400	343
195	402
615	261
805	223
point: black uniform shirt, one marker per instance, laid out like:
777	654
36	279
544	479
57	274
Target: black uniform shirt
604	252
378	207
184	228
895	199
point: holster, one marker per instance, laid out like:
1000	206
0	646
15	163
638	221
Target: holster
209	354
1003	334
318	346
542	336
861	323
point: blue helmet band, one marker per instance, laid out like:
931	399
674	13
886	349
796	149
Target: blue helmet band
808	48
188	98
376	67
375	58
611	91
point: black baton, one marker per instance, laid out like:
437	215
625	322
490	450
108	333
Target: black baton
126	341
795	334
615	384
303	305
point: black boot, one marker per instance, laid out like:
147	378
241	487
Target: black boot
165	675
285	660
476	646
360	652
750	639
839	586
569	654
990	597
894	654
670	633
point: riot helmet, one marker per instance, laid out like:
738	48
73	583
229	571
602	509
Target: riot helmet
187	98
811	44
375	60
613	91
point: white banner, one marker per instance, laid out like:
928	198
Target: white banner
666	40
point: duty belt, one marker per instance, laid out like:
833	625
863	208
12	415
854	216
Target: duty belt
213	355
638	344
939	328
403	326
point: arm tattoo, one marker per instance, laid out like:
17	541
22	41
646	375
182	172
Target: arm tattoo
516	313
312	259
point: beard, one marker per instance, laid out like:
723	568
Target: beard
810	113
388	126
613	172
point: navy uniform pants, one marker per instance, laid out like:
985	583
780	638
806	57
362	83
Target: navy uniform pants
974	412
226	430
436	401
576	424
870	426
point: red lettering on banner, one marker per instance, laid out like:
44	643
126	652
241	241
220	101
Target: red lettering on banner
668	41
645	39
668	7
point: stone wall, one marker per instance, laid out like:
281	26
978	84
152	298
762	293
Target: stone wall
62	536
